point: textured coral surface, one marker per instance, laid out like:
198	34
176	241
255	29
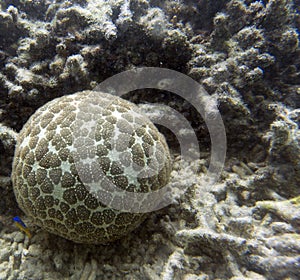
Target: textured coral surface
246	55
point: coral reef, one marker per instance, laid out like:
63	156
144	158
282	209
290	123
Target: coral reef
246	54
73	47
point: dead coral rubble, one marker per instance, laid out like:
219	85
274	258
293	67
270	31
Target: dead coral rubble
246	54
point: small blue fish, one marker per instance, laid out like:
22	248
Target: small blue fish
20	224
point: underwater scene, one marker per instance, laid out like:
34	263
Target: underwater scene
148	139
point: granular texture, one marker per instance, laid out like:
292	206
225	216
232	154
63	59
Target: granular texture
61	188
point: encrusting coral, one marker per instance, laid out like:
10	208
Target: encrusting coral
50	185
246	55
